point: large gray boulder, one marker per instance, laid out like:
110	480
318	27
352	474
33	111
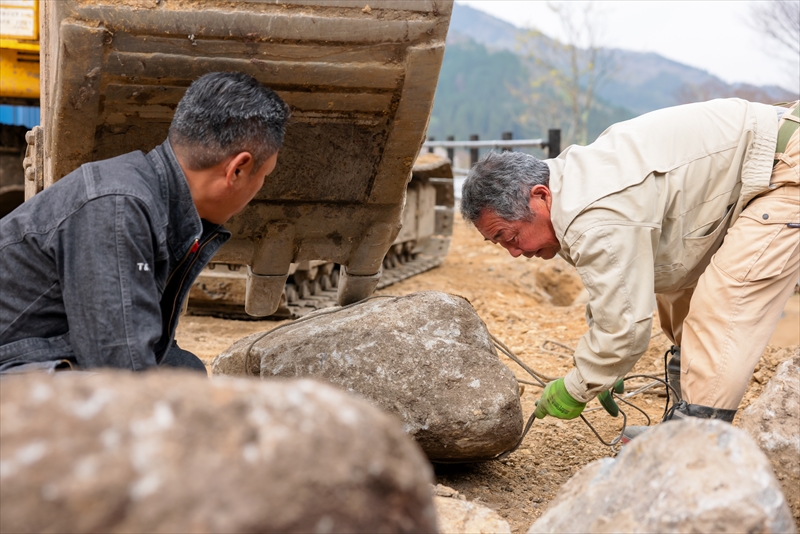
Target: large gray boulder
426	357
682	476
174	452
773	420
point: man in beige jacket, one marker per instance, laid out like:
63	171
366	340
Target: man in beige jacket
693	209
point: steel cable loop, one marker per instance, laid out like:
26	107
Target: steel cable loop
614	442
529	383
666	384
536	375
633	393
666	375
539	377
654	378
569	350
635	408
499	344
528	425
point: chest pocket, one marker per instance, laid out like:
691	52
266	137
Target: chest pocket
697	243
691	254
698	250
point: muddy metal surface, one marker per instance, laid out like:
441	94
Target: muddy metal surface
516	306
360	82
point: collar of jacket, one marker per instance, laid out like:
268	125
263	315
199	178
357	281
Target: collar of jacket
183	221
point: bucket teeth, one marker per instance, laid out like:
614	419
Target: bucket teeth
310	295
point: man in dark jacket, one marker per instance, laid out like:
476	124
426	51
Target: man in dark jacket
94	270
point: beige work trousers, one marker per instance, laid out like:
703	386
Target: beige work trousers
725	322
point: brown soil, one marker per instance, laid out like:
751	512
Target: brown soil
521	302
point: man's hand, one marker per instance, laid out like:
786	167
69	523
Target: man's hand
607	399
557	402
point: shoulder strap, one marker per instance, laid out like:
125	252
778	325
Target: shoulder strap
791	122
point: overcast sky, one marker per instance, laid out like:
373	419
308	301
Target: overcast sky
712	35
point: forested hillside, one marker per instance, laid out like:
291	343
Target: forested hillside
492	81
479	92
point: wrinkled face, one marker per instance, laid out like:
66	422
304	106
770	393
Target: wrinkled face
530	237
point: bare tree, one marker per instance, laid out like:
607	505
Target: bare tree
779	21
566	74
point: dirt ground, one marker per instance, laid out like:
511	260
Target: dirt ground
522	302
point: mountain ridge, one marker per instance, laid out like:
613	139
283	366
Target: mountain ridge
644	81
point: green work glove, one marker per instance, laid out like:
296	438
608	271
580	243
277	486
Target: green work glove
557	402
607	399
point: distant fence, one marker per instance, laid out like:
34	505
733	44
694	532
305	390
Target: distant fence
552	144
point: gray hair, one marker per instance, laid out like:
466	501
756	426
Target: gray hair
224	113
502	183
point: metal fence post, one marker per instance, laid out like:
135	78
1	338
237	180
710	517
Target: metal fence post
507	136
473	152
553	143
451	151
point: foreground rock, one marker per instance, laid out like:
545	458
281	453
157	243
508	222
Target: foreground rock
457	515
173	452
426	357
773	420
688	476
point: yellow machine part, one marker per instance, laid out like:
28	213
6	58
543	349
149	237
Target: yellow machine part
19	49
19	73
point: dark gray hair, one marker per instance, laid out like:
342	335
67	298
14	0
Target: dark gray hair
502	183
224	113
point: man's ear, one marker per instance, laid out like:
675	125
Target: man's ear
541	193
238	166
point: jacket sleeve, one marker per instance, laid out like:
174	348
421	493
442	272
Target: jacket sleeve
615	262
105	254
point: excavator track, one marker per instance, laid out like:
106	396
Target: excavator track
327	298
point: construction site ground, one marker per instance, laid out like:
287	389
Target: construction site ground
515	297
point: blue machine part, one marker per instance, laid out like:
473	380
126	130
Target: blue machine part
27	116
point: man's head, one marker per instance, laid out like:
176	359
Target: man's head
507	198
226	134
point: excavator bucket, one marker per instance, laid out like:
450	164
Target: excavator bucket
360	80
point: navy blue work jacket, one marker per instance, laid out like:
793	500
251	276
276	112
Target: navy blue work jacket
95	268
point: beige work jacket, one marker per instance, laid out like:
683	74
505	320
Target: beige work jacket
642	210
